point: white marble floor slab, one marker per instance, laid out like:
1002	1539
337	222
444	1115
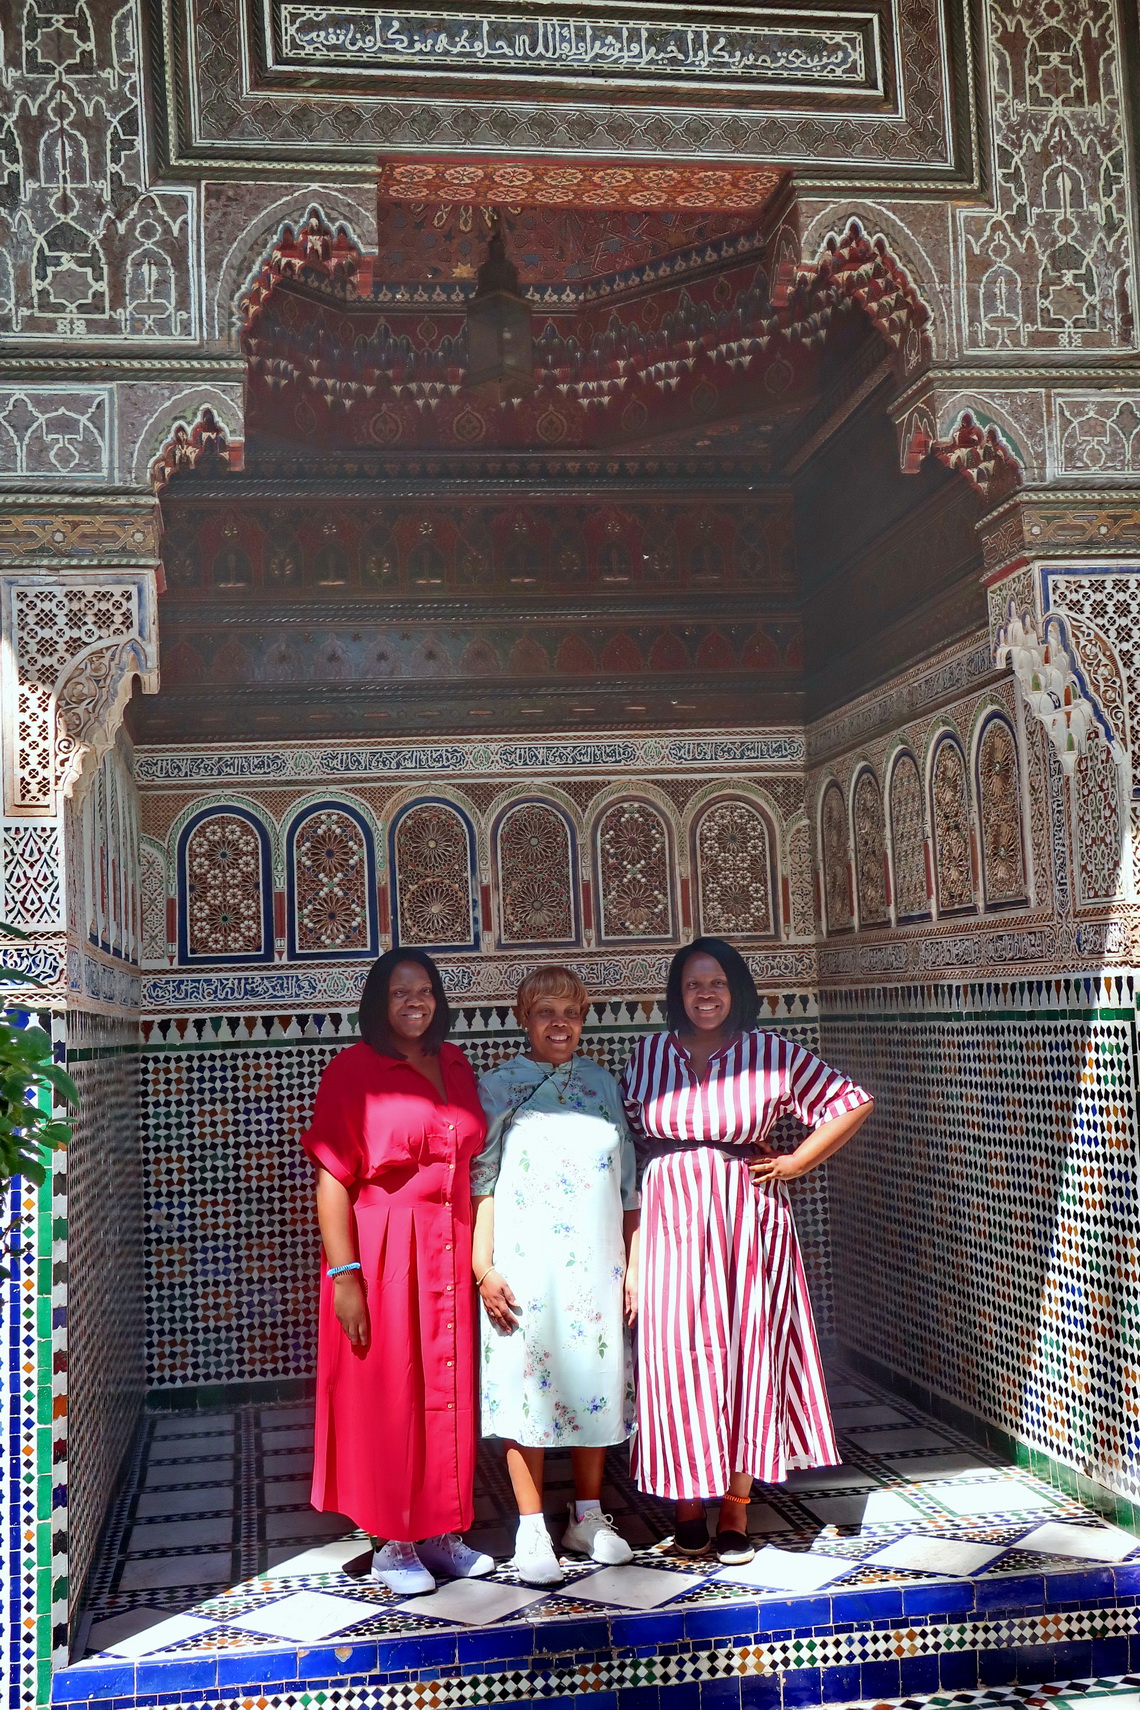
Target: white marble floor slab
874	1508
996	1496
473	1602
306	1617
1089	1543
635	1587
937	1555
326	1558
173	1631
876	1414
892	1442
829	1478
788	1570
921	1467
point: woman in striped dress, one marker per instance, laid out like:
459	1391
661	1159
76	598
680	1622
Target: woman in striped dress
730	1383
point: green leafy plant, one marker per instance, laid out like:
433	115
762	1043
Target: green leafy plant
28	1127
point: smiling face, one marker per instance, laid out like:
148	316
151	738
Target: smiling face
705	993
411	1003
554	1027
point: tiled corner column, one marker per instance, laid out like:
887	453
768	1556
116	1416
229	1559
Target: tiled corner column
78	586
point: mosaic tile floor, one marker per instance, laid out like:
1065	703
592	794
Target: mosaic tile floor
212	1546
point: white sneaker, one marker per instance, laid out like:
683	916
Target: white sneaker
534	1559
399	1568
448	1556
596	1536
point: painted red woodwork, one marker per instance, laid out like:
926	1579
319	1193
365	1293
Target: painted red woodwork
715	653
686	904
575	658
668	653
279	914
623	655
493	182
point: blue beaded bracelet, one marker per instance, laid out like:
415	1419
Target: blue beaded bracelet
339	1270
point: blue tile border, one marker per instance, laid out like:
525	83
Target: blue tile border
802	1661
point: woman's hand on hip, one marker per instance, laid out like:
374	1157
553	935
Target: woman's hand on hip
498	1300
776	1167
351	1308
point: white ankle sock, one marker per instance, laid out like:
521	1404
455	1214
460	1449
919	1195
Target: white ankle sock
581	1509
530	1525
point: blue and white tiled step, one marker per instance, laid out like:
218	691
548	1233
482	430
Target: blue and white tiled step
920	1567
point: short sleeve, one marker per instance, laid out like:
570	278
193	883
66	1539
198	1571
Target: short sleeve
335	1138
818	1093
493	1096
616	1111
627	1087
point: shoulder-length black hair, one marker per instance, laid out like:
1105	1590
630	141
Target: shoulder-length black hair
374	1028
742	988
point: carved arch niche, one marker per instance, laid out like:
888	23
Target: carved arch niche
907	838
997	778
330	874
633	861
950	826
870	840
735	870
534	862
225	888
433	878
838	903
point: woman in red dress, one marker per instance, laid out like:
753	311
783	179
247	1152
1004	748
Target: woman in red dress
396	1124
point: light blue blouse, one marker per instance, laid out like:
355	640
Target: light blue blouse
521	1086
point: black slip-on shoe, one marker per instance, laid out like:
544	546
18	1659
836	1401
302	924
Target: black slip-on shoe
733	1549
692	1536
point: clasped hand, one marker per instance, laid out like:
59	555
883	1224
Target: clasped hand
500	1304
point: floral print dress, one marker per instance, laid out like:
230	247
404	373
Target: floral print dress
560	1163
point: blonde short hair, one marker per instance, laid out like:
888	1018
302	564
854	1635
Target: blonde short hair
548	983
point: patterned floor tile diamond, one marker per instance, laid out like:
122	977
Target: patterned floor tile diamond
906	1482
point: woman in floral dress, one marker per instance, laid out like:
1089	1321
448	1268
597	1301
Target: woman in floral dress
554	1257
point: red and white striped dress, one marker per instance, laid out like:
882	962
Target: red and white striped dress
729	1373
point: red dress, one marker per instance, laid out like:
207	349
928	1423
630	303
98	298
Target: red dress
395	1429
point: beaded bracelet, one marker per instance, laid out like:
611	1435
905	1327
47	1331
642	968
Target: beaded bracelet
339	1270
